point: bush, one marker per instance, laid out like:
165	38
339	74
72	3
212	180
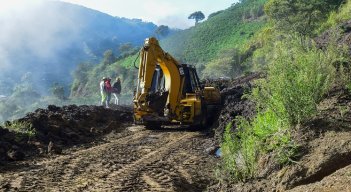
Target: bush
298	77
242	149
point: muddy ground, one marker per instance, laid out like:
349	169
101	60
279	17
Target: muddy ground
90	148
134	159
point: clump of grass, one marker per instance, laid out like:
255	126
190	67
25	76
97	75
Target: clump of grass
21	127
264	134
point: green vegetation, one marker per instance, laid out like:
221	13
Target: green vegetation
58	91
337	16
298	76
24	129
210	43
88	77
300	16
214	46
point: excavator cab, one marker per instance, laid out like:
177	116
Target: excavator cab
192	82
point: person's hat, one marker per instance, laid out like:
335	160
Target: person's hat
104	78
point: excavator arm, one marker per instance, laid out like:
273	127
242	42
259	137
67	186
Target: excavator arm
151	57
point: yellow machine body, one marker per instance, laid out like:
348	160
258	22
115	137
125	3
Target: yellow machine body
169	92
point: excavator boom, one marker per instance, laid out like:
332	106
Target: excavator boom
166	90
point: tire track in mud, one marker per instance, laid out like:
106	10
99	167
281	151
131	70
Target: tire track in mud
62	169
141	160
155	183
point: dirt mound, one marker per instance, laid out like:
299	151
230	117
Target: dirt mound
55	127
233	104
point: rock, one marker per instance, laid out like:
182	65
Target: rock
15	155
210	150
53	108
54	149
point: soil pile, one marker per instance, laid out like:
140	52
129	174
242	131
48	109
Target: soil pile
233	103
55	127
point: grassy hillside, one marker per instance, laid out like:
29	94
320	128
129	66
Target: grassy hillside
221	36
215	46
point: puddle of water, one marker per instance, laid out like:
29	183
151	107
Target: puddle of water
135	128
218	152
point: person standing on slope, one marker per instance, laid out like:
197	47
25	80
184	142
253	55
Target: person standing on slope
109	90
103	91
117	90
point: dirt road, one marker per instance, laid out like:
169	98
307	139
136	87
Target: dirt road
135	159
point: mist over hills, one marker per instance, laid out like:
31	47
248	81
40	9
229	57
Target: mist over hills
44	43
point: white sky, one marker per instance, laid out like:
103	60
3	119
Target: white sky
173	13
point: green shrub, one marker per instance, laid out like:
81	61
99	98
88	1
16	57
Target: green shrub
243	148
298	77
24	128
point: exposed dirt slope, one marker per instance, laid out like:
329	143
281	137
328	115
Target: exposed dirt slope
234	104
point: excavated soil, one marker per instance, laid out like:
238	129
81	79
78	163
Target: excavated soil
60	127
135	159
233	103
89	148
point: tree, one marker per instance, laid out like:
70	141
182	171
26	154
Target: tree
198	16
80	73
162	30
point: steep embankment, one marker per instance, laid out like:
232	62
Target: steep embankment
325	153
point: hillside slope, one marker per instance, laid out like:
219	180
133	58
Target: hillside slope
219	40
50	39
216	46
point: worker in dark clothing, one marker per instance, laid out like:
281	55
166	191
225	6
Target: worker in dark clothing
117	90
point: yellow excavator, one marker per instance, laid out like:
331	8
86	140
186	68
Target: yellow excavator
168	92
